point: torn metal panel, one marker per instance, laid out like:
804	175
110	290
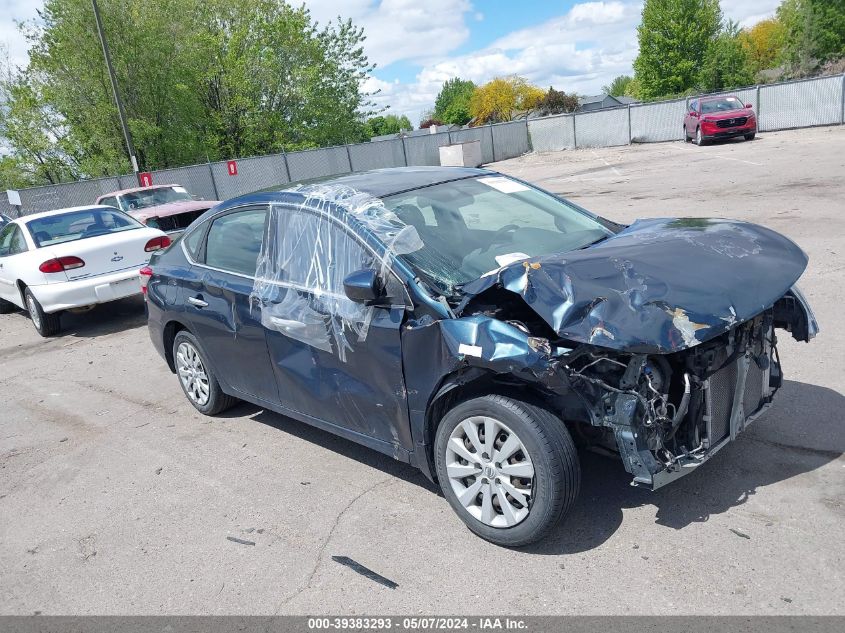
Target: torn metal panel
658	286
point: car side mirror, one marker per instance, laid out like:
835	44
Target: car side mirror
363	286
749	106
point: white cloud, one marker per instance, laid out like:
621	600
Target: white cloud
749	12
10	37
576	52
399	30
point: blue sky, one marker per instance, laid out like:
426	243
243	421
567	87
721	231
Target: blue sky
576	46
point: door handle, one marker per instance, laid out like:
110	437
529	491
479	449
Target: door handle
198	302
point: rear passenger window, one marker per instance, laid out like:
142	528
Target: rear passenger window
234	241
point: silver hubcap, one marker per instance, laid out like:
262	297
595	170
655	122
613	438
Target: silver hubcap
192	373
33	311
490	471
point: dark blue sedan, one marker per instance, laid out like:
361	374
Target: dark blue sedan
472	324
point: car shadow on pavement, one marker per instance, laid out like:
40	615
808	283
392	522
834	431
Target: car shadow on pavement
104	319
800	433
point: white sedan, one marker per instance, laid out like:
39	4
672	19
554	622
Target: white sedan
72	258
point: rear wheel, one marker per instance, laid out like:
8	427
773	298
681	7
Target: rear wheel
45	324
508	468
196	378
687	137
750	137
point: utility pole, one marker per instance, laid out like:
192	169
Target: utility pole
127	135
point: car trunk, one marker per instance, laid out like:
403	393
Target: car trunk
102	254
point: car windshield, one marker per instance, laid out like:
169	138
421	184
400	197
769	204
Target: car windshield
153	197
78	225
473	226
720	105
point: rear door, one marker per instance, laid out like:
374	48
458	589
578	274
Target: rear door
217	302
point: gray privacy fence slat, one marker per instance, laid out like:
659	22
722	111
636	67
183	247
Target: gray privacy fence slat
603	128
656	122
483	134
425	149
315	163
510	140
196	179
803	103
253	174
377	155
553	133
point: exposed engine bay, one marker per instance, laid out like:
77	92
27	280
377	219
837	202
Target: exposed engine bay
666	413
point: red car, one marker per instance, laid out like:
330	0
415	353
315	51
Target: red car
719	117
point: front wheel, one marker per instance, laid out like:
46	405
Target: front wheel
699	137
45	324
508	468
750	137
196	378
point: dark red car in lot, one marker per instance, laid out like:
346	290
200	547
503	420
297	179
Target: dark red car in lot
711	118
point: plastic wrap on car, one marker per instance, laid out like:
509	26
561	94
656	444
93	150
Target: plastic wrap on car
306	254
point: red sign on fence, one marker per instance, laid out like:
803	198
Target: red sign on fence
232	167
145	178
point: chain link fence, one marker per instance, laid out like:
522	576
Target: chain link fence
796	104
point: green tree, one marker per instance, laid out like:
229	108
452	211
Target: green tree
388	124
726	64
452	102
763	43
200	79
619	86
674	37
814	32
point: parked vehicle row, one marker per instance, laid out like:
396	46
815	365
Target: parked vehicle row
475	326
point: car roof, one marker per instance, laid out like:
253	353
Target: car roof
121	192
381	183
714	97
44	214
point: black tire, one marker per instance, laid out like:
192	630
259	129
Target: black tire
217	401
699	138
557	474
45	324
750	137
7	307
687	137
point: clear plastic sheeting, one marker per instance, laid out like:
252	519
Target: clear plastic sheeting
309	249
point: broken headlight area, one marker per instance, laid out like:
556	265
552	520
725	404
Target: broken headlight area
667	414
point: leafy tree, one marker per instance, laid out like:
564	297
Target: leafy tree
619	86
388	124
814	32
502	98
452	102
726	63
763	43
200	79
674	37
558	102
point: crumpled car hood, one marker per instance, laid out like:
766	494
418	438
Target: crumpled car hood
658	286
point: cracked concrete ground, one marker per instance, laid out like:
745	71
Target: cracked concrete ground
117	498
